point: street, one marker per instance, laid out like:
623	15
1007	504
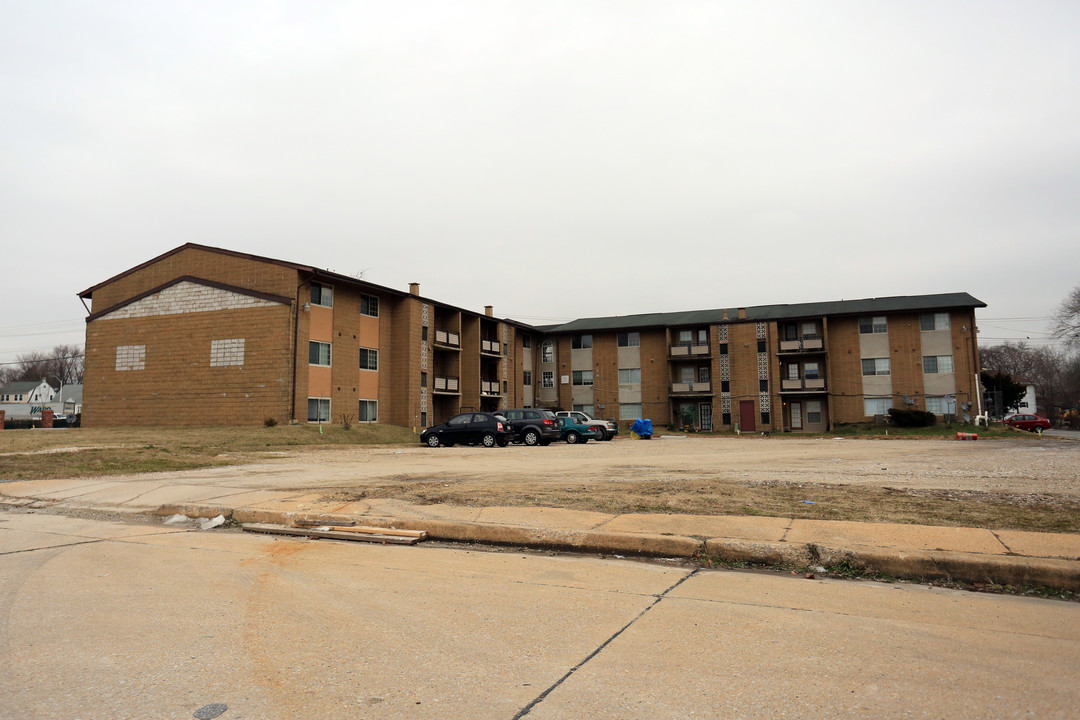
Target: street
139	619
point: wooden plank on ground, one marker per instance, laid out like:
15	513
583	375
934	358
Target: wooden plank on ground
331	534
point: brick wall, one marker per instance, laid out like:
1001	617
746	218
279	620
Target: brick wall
178	385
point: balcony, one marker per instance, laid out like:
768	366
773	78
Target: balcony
802	385
490	389
806	344
448	339
490	347
446	386
694	388
689	351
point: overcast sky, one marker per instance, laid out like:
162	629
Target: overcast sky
553	159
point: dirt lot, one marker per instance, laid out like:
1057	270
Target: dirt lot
1034	484
1022	483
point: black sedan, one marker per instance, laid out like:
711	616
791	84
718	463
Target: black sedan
471	428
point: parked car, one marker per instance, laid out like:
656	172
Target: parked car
608	428
1026	421
471	428
574	432
532	426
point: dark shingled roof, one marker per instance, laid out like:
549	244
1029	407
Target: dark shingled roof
866	306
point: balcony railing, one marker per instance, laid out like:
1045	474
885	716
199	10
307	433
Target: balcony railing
796	384
689	350
806	344
444	337
694	387
446	384
490	389
491	347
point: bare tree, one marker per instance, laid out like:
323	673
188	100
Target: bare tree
1065	322
1054	372
64	363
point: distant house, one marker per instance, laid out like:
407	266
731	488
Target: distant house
70	400
1027	404
28	391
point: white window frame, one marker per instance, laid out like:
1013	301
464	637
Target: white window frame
547	377
526	378
878	324
876	406
942	364
935	321
547	352
882	366
629	411
582	377
369	305
320	403
322	295
581	342
369	353
329	353
628	339
370	405
629	377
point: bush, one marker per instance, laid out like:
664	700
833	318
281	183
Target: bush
270	422
911	418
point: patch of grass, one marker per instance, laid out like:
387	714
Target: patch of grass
88	452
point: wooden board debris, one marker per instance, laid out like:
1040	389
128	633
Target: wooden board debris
374	535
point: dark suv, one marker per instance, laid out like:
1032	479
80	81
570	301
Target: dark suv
532	426
471	428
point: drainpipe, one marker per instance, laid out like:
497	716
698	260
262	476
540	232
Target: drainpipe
295	341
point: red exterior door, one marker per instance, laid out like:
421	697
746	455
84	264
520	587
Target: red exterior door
746	416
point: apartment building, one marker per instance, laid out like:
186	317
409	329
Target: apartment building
803	367
206	336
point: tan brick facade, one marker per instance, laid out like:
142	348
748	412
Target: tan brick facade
207	336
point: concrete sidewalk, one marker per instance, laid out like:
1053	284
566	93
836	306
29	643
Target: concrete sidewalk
970	555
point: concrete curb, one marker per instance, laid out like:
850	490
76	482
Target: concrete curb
1011	570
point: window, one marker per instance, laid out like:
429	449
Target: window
583	377
629	411
793	371
810	371
368	411
526	377
870	325
322	295
526	341
813	411
319	353
226	352
934	321
628	339
369	359
937	364
548	379
685	337
130	357
686	374
318	410
630	376
587	409
877	406
581	342
809	330
875	366
547	352
423	333
369	305
940	405
703	374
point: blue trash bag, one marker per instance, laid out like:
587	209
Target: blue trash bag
642	427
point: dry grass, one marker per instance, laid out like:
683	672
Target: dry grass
83	452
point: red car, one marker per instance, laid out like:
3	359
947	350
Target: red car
1027	422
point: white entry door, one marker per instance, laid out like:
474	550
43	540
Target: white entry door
796	416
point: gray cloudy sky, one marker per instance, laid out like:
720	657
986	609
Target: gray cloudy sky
554	159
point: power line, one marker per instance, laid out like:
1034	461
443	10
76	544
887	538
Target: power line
35	361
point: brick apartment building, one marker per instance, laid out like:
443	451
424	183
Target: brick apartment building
206	336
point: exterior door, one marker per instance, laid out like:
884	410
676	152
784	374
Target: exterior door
796	416
705	417
746	416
